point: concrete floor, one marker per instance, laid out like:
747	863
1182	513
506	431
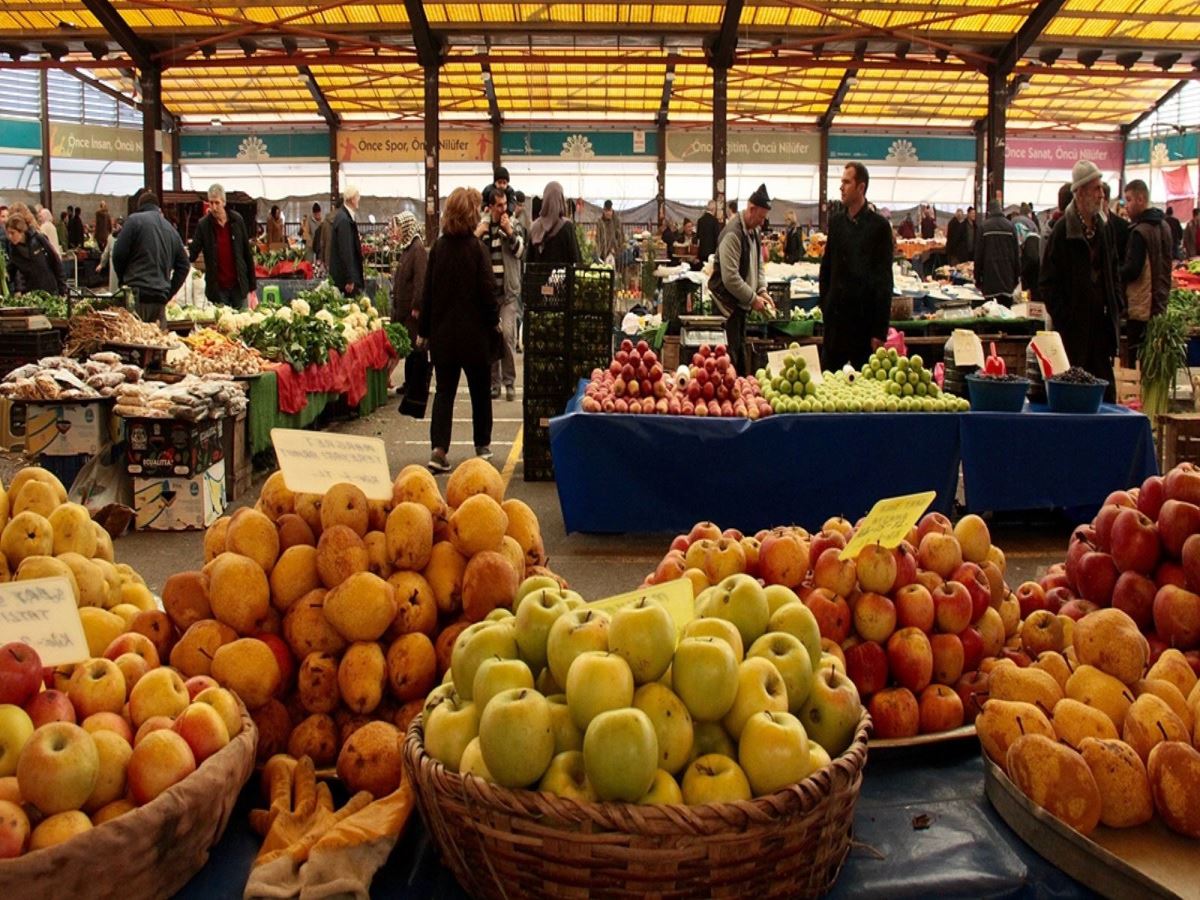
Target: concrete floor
596	565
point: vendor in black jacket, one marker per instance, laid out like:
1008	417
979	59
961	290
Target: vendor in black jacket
856	276
997	257
149	258
345	260
32	262
228	260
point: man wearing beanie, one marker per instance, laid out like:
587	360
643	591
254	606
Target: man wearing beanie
856	276
500	182
738	284
1079	278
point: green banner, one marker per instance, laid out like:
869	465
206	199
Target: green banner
578	145
1175	148
767	147
245	147
20	136
901	149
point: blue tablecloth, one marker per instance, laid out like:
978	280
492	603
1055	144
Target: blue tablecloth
967	851
1043	460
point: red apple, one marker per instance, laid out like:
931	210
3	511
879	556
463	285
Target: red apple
874	617
1182	483
783	559
1053	580
895	713
283	655
1177	521
1097	577
941	709
973	689
906	565
1135	545
1058	597
1103	523
948	657
931	523
1134	596
1169	572
1032	597
137	644
20	673
972	643
824	540
952	607
671	567
1151	496
971	576
1177	617
703	531
940	553
1193	659
832	613
1121	498
1157	647
833	574
914	607
876	569
1077	608
1190	561
910	658
931	581
198	683
50	706
867	667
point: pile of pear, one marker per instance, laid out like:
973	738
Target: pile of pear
1097	735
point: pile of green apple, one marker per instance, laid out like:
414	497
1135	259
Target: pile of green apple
887	382
568	699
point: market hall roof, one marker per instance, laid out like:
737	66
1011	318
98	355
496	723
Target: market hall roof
1092	65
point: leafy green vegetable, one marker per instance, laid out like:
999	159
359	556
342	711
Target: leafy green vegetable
398	335
1162	353
50	305
301	342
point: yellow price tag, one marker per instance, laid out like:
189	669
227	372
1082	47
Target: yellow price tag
888	522
675	595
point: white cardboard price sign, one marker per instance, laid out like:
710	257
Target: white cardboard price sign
968	348
312	462
1051	346
42	613
808	353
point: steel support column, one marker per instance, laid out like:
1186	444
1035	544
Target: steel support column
176	160
432	153
996	123
497	156
151	82
980	161
44	179
661	149
823	180
335	167
720	135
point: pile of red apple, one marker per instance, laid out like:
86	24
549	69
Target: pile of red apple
78	752
912	625
636	383
1141	555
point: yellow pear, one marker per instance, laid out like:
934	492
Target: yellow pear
1174	771
26	534
1056	665
32	567
1125	799
1166	691
104	547
73	531
1173	666
409	533
35	496
1089	685
1057	779
1075	721
89	578
3	506
36	473
362	674
1109	640
128	612
1028	685
101	628
249	668
1003	721
1150	721
112	578
138	595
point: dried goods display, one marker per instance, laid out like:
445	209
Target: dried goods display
63	378
193	398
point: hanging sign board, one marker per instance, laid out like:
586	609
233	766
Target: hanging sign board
676	596
42	613
888	523
312	462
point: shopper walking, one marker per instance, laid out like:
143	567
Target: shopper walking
610	239
275	233
103	227
459	318
46	226
1146	270
708	232
521	212
1176	233
956	237
552	239
1118	226
793	248
75	231
1029	237
1191	236
505	243
62	233
1079	278
928	222
149	258
856	276
229	277
907	230
32	263
408	280
738	284
997	257
344	258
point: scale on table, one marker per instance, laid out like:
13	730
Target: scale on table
695	331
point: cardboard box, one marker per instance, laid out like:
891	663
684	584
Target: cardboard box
67	429
172	447
238	469
180	504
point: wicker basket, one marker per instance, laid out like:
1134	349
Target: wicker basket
504	843
152	851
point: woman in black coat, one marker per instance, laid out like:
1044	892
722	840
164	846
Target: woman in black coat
460	321
32	262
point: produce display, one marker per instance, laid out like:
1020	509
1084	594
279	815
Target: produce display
91	331
192	398
179	313
213	352
887	382
50	305
911	627
83	744
61	378
326	613
636	383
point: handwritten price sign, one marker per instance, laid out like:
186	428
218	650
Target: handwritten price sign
888	522
675	595
42	613
312	462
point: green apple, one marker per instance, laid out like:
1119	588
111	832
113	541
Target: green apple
672	724
516	737
760	687
832	661
448	676
449	727
717	628
710	737
531	584
437	696
715	779
739	599
664	791
566	735
597	682
546	683
498	615
534	618
778	595
798	620
705	677
643	634
574	600
472	762
478	642
818	758
567	777
830	714
15	729
773	752
576	632
791	659
620	752
495	675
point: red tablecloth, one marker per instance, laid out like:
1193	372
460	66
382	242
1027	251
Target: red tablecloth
345	373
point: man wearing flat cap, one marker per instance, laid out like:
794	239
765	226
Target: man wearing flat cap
738	284
856	276
1078	278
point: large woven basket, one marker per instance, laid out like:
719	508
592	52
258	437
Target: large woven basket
512	844
152	851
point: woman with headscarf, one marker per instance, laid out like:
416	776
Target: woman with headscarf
408	279
552	239
275	227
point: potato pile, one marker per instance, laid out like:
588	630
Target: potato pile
326	612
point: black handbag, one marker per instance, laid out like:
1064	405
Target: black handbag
418	373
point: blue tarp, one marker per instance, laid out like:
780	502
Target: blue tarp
619	473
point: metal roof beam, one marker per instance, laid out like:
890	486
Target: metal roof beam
489	90
429	45
1158	104
1028	33
139	51
725	43
849	78
664	105
332	119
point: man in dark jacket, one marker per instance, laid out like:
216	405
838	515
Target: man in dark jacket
345	250
103	228
1118	226
149	258
1079	278
1146	271
1191	236
228	260
75	232
955	235
928	222
856	276
1176	233
708	232
997	257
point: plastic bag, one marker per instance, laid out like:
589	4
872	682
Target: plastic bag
104	488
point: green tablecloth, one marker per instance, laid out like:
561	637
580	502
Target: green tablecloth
972	323
264	411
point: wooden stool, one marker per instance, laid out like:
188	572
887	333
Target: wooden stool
1178	439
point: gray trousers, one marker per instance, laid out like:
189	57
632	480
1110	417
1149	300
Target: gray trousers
504	370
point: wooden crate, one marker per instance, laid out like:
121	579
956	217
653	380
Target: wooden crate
1128	385
1178	439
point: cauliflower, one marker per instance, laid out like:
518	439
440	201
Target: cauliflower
301	307
325	316
285	313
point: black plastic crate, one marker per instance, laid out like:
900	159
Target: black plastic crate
590	335
546	374
676	296
539	469
545	332
781	295
30	344
545	287
591	290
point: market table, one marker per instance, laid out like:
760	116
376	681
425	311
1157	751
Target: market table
967	851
